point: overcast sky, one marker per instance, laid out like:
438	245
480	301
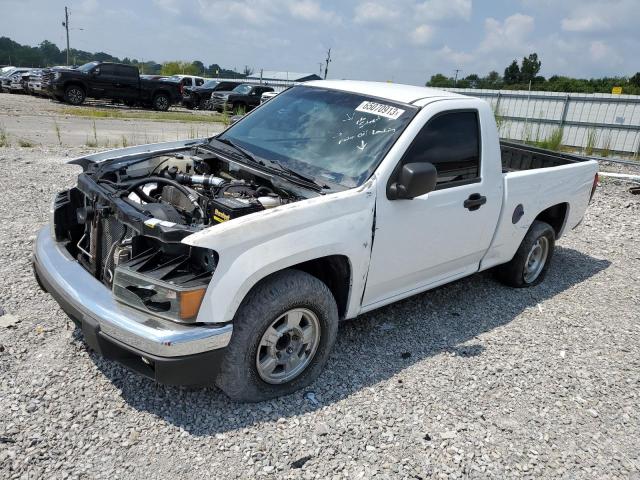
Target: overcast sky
402	40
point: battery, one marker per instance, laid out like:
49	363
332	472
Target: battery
227	208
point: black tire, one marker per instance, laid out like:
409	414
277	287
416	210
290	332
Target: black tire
202	103
281	292
161	102
515	273
74	94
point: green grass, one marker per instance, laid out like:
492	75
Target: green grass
606	146
24	143
56	128
142	115
553	141
4	138
592	139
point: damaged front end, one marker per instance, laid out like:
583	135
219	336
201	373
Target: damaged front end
126	218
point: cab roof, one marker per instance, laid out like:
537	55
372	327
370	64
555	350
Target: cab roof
396	92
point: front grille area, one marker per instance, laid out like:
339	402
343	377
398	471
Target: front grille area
98	244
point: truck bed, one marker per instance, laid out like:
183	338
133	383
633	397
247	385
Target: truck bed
518	156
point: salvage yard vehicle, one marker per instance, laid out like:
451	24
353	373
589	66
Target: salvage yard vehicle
11	81
197	97
111	81
266	96
240	100
231	259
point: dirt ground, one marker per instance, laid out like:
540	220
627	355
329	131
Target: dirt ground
41	121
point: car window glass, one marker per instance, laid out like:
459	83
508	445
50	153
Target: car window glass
451	142
199	81
107	70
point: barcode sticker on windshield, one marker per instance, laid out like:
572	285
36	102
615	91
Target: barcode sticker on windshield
381	109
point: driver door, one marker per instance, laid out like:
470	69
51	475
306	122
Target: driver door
436	237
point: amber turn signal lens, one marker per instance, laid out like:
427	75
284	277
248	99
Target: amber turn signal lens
190	303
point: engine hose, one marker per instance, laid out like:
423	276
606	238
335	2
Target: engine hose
192	198
138	191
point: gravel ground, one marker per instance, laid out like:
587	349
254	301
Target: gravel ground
470	380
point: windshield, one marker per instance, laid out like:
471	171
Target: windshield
242	89
87	66
210	84
330	135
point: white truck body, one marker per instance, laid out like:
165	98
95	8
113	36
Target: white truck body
351	249
454	241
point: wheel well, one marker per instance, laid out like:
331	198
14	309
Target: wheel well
335	272
161	92
74	84
555	216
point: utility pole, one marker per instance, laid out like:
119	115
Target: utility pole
327	62
320	65
455	80
65	24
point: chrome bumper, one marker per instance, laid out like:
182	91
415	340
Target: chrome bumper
88	300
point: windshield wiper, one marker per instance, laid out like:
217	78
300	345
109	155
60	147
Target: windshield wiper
245	153
299	175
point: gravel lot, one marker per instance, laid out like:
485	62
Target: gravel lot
470	380
43	122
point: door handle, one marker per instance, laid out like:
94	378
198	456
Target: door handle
474	202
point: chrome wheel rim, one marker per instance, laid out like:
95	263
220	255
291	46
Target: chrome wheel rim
536	259
288	345
75	95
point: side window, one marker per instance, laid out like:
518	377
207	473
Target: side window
451	142
199	81
106	69
126	71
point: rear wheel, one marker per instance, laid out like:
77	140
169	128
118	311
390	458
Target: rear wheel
282	335
161	102
531	262
74	95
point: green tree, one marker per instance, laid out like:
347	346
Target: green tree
512	73
530	68
198	65
635	80
440	81
178	68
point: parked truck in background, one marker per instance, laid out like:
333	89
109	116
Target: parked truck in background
231	259
198	97
113	81
240	100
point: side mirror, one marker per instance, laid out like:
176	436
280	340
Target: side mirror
415	179
96	71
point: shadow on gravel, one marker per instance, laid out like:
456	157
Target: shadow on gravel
370	349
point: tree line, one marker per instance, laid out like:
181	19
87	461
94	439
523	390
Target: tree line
517	76
47	54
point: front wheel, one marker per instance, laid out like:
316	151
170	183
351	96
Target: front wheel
282	335
161	102
531	262
74	95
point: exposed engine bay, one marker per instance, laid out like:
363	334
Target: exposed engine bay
127	216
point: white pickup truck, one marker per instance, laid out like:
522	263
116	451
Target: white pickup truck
231	259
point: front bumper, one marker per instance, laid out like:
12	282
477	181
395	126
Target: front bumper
163	350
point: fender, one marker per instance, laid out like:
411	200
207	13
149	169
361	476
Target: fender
254	246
